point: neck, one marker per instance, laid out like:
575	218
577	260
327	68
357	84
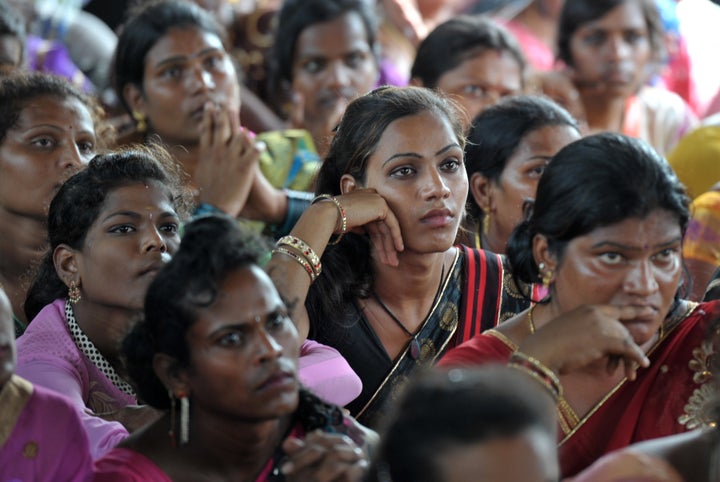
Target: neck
232	446
492	242
604	114
410	288
106	326
22	245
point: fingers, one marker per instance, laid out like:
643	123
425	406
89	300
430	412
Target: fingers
323	457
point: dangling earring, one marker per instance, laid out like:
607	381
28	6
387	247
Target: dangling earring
545	276
171	432
141	125
662	330
184	418
74	293
486	223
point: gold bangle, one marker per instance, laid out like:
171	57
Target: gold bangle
540	379
302	261
535	365
341	210
302	247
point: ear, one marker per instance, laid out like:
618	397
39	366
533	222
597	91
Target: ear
348	184
542	254
134	98
168	370
481	190
66	264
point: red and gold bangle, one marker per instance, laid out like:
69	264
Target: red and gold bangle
302	247
537	370
341	210
301	260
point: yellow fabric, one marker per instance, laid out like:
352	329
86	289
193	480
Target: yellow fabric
702	239
696	160
291	159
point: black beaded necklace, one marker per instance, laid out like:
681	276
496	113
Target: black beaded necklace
414	343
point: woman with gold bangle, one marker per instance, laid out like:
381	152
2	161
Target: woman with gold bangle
391	290
613	340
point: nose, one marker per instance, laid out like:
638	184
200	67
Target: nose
154	240
339	75
435	186
618	48
71	158
268	348
640	280
200	79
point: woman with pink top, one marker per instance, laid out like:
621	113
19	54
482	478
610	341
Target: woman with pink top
217	353
111	227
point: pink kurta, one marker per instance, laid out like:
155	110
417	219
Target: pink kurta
41	436
48	357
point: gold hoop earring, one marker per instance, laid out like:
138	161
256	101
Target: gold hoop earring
140	123
74	293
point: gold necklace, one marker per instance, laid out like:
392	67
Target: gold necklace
531	322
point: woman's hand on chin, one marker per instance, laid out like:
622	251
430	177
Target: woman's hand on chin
586	335
367	212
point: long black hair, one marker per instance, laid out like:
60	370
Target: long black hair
347	267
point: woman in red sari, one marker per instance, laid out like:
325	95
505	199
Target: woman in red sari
623	353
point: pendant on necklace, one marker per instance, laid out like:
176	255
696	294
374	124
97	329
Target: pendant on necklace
414	348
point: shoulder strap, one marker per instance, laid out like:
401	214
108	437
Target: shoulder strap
482	292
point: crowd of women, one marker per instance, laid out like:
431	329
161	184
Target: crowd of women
477	276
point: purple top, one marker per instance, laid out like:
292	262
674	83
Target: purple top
48	357
41	436
324	371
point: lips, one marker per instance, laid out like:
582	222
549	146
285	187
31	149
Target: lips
155	266
437	217
279	379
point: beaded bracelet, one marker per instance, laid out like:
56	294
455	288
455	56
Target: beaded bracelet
303	262
341	210
537	370
302	247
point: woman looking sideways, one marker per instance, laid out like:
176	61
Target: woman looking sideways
392	292
48	131
217	353
620	349
508	147
110	227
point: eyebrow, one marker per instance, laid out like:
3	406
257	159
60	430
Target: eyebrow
136	215
542	158
182	58
626	247
418	156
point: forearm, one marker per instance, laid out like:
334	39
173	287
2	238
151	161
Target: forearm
314	228
265	203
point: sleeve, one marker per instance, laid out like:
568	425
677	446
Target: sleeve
479	350
325	372
60	376
75	459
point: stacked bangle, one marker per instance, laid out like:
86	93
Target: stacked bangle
533	367
300	259
341	210
303	249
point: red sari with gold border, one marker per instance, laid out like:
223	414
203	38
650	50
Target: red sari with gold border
665	399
